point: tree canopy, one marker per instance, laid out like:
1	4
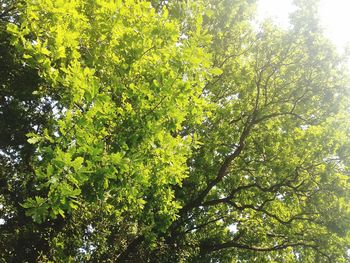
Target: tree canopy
171	131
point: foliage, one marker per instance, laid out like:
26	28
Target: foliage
171	132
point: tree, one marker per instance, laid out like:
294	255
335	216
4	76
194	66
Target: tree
178	132
21	112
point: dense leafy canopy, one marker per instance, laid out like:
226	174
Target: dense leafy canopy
170	131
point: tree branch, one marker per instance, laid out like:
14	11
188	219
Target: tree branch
124	256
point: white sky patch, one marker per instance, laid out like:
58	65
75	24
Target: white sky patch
334	17
280	197
3	153
277	10
233	228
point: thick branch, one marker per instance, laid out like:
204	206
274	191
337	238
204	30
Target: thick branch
226	164
123	257
221	174
209	248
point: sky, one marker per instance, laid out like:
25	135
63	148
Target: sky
334	17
